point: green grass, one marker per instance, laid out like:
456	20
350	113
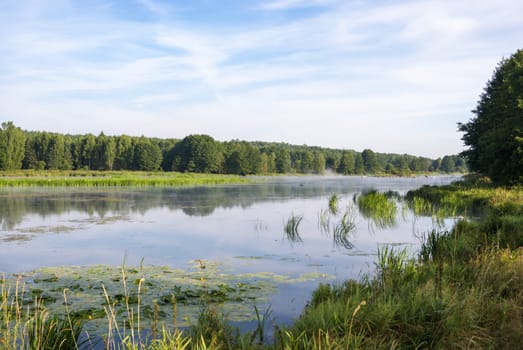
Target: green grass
464	289
113	179
291	228
380	208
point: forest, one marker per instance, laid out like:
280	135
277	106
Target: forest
41	150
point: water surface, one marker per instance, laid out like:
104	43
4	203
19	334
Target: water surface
239	227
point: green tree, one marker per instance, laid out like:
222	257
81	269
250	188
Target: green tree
318	163
370	162
242	158
448	165
198	153
283	161
147	155
347	163
87	152
124	153
12	146
105	152
55	152
495	135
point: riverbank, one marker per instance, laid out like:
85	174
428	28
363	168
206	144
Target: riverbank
463	290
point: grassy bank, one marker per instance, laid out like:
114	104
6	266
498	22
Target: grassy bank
463	289
112	179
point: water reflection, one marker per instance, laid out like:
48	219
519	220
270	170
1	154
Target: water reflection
238	226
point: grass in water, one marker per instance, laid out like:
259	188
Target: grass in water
291	228
379	208
333	204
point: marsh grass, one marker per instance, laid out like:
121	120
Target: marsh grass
333	204
324	221
29	326
464	289
113	179
291	228
379	208
343	228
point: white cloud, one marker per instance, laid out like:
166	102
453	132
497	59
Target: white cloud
288	4
392	76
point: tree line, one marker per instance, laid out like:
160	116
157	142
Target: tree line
42	150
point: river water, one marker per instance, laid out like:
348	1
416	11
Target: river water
239	227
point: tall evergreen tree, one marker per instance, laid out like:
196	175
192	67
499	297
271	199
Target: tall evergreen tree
495	135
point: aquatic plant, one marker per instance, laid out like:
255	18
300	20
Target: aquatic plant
345	225
333	204
324	221
291	228
377	207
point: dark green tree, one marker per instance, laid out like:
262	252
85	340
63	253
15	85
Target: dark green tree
55	152
124	155
104	152
12	146
198	153
347	163
370	162
147	155
242	158
448	165
318	163
495	135
283	161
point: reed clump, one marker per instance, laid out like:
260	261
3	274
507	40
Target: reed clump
291	228
380	208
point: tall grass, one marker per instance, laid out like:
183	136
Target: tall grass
30	326
379	208
343	228
113	179
333	204
291	228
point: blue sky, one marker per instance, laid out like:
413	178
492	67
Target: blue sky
393	76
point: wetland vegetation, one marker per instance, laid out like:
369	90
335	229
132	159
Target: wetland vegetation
462	289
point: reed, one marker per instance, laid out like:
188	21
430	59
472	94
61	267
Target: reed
114	179
291	228
379	208
333	204
343	228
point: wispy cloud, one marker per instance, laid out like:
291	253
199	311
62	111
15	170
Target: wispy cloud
391	76
288	4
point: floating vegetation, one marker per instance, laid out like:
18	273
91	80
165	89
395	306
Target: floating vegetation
333	204
291	228
379	208
153	292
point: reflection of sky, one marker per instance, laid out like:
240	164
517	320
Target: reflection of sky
245	238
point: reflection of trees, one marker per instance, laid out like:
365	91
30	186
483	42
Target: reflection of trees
196	201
